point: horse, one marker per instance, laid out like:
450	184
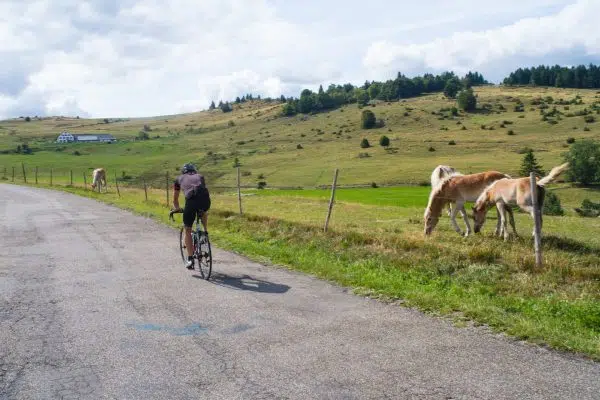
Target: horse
457	189
517	191
99	179
440	172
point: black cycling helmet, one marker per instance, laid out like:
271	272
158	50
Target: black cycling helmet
188	167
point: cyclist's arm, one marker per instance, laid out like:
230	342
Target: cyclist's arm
176	189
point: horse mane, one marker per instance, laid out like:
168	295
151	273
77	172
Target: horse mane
435	192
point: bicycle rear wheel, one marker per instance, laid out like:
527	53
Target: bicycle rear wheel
182	247
204	256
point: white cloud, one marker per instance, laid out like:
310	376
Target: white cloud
111	58
573	27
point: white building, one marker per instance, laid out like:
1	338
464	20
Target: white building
66	137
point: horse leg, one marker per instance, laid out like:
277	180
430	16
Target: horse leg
498	231
449	209
512	220
453	219
502	210
465	217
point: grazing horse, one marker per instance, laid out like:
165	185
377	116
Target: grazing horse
457	189
506	192
440	172
99	179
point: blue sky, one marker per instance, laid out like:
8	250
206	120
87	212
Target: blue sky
131	58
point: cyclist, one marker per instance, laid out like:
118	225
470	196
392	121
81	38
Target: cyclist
197	199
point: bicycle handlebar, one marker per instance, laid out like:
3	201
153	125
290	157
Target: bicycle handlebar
180	210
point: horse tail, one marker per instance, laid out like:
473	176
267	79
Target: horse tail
554	173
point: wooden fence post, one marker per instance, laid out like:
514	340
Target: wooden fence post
24	174
71	176
537	218
145	190
50	176
84	181
167	179
36	174
117	185
13	174
4	175
239	190
335	176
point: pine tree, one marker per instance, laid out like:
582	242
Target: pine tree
212	105
530	164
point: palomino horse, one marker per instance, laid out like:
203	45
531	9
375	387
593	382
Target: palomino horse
99	179
440	172
506	192
457	189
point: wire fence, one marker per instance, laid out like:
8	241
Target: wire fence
149	188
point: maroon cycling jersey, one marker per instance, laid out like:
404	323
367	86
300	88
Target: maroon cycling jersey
190	183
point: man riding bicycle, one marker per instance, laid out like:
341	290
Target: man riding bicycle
197	200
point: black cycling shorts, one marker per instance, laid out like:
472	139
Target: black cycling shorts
193	205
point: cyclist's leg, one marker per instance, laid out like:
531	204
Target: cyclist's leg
189	215
204	207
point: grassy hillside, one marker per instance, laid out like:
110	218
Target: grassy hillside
267	144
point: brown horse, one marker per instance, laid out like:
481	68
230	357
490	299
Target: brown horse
457	189
506	192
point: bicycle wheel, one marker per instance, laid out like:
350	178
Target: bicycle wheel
182	245
204	256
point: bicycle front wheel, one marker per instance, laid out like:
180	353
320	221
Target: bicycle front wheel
204	256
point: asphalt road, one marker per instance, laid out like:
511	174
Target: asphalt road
95	304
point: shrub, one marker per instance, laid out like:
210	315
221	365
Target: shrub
452	143
261	184
510	132
585	128
464	128
230	123
584	162
466	100
571	140
483	127
27	119
368	119
431	148
364	144
76	153
589	119
552	204
299	147
374	185
384	141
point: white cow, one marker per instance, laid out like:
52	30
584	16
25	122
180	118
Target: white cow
99	179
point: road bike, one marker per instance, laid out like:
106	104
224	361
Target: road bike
201	243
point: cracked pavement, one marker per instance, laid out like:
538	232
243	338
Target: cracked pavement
95	304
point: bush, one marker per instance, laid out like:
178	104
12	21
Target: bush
431	148
510	132
585	128
299	147
76	153
230	123
584	162
143	135
454	111
368	119
466	100
452	143
464	128
571	140
27	119
364	144
384	141
552	204
261	184
589	119
374	185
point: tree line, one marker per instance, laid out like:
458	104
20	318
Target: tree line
391	90
580	77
